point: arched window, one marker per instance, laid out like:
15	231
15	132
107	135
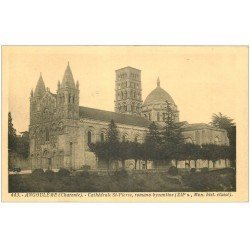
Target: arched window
216	140
149	116
145	115
124	138
136	138
158	116
47	134
122	95
125	94
73	99
132	107
189	140
164	116
71	147
125	107
89	137
102	137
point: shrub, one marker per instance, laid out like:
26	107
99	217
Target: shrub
121	174
49	174
85	167
17	169
204	170
37	172
63	172
192	170
84	174
173	171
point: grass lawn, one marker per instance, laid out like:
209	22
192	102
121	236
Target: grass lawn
217	180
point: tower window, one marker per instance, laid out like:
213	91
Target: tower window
158	116
89	137
149	116
102	137
71	147
47	134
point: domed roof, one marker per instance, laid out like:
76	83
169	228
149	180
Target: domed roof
158	95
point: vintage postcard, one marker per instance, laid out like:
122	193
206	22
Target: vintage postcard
125	123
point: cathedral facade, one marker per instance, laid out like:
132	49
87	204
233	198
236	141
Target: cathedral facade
60	130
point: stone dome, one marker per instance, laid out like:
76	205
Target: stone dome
158	95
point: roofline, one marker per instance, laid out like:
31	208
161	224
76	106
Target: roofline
127	67
201	128
141	117
117	123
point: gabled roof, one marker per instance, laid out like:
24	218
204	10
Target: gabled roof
107	116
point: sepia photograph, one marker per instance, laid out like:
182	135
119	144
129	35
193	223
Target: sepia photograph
124	119
125	125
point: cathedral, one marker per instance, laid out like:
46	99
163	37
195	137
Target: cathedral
60	130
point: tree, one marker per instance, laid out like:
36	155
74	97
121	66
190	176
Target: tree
112	134
11	134
225	152
190	151
136	152
222	121
110	149
151	146
124	152
172	137
22	143
225	122
211	152
172	133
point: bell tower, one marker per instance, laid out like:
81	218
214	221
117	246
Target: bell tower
68	96
128	99
35	101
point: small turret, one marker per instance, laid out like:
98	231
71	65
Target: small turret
31	93
158	82
77	84
58	85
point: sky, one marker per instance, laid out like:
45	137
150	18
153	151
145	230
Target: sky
202	80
